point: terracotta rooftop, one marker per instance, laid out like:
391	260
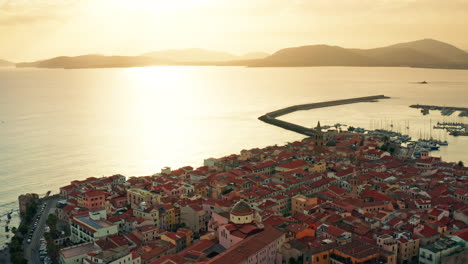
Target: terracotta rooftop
248	247
241	208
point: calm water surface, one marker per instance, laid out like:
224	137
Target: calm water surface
60	125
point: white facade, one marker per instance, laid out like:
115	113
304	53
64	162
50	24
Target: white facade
88	230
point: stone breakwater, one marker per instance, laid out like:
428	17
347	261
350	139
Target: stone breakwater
271	117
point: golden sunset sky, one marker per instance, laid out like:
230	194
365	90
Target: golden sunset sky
39	29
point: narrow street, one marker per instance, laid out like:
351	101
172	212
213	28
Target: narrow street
31	250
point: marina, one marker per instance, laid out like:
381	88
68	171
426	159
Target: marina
444	110
383	128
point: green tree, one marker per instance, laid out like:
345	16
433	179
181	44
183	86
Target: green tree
23	228
351	129
31	210
51	221
461	164
52	248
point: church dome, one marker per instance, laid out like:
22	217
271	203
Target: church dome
241	208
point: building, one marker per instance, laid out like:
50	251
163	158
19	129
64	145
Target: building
193	216
358	251
403	244
445	250
117	255
25	200
147	233
90	228
137	196
261	248
241	225
147	212
179	239
299	203
76	254
94	199
241	213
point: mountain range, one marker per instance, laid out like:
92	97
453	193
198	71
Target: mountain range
202	55
425	53
162	57
4	63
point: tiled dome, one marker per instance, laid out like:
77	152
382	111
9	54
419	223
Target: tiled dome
241	208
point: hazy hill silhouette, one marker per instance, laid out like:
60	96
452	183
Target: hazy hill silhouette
202	55
435	48
4	63
94	61
315	55
426	53
421	53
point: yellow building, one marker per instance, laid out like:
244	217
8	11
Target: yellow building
188	233
137	196
318	167
168	218
299	203
201	190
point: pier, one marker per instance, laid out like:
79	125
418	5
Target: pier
271	117
445	110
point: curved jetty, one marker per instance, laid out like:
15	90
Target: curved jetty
271	117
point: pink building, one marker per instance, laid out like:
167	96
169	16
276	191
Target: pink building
241	225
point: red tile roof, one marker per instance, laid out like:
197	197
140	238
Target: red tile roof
293	164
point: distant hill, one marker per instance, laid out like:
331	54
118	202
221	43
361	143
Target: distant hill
435	48
425	53
4	63
95	61
316	55
422	53
202	55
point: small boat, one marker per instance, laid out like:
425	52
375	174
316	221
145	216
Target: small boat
423	82
359	130
443	143
434	147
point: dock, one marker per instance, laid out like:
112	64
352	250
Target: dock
445	110
271	117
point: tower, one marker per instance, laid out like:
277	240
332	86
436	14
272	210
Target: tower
354	181
318	136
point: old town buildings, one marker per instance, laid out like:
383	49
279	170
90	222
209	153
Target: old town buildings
340	200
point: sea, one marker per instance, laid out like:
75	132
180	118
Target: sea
59	125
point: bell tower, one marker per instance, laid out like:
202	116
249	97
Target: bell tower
318	136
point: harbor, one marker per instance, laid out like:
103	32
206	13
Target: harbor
444	110
428	140
271	117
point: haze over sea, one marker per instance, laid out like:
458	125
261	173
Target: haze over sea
60	125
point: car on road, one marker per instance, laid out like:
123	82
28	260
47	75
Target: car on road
29	241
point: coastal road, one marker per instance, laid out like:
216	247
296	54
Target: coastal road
31	251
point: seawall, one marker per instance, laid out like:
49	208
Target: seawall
271	117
